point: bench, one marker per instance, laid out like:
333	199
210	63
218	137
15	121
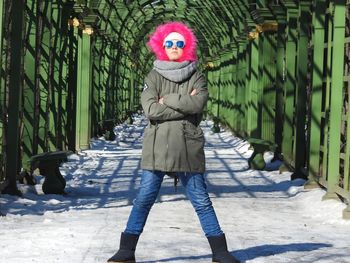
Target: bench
216	127
48	164
256	160
106	128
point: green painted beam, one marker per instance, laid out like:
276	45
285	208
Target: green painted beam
290	86
300	107
280	56
83	112
253	82
2	92
30	92
318	39
15	96
336	98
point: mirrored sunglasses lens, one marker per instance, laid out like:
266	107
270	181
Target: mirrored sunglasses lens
180	44
168	44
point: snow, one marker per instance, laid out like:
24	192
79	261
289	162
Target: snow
266	217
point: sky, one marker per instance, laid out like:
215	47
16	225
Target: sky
266	217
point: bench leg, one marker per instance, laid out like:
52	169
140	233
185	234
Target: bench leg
256	161
54	182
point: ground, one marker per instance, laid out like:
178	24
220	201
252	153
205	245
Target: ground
266	217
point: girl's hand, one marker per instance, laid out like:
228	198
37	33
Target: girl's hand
194	92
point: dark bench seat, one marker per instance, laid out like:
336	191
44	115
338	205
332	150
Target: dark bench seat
260	146
48	164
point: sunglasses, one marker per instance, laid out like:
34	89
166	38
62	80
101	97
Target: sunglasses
170	44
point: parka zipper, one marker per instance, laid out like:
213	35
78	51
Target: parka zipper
184	134
167	148
154	142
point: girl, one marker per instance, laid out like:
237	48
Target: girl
174	96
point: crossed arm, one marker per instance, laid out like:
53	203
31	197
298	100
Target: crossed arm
173	106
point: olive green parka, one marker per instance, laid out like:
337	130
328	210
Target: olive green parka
173	140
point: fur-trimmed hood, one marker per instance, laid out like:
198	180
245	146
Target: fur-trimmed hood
157	39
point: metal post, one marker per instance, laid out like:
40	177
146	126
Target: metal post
2	94
242	87
15	97
83	93
280	56
30	119
72	87
289	87
253	88
97	86
260	90
335	117
268	88
299	138
316	94
43	82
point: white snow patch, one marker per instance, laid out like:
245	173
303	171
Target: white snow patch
266	217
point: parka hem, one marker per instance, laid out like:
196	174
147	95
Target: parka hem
173	170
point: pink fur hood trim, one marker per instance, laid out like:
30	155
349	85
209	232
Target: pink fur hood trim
156	41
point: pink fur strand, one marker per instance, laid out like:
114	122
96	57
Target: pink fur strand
156	41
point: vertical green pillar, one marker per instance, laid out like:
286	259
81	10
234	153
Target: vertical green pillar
239	103
30	90
104	80
260	87
57	76
234	90
132	88
43	75
290	85
247	90
208	72
327	76
2	93
242	87
1	26
99	83
336	98
51	40
299	138
107	75
72	87
253	88
280	56
268	86
226	88
217	97
316	94
230	88
83	116
15	97
97	86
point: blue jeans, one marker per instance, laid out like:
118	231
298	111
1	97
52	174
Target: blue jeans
196	190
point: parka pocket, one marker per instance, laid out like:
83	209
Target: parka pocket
148	146
194	140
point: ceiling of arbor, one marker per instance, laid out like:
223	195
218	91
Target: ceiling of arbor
219	25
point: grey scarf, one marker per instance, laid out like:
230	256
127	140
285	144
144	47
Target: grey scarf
175	71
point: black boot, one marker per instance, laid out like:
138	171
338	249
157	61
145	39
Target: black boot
218	246
126	252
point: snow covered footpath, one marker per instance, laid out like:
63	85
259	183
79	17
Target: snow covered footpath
266	217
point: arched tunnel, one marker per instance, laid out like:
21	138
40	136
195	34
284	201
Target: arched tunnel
277	70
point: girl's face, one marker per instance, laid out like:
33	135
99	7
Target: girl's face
173	51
